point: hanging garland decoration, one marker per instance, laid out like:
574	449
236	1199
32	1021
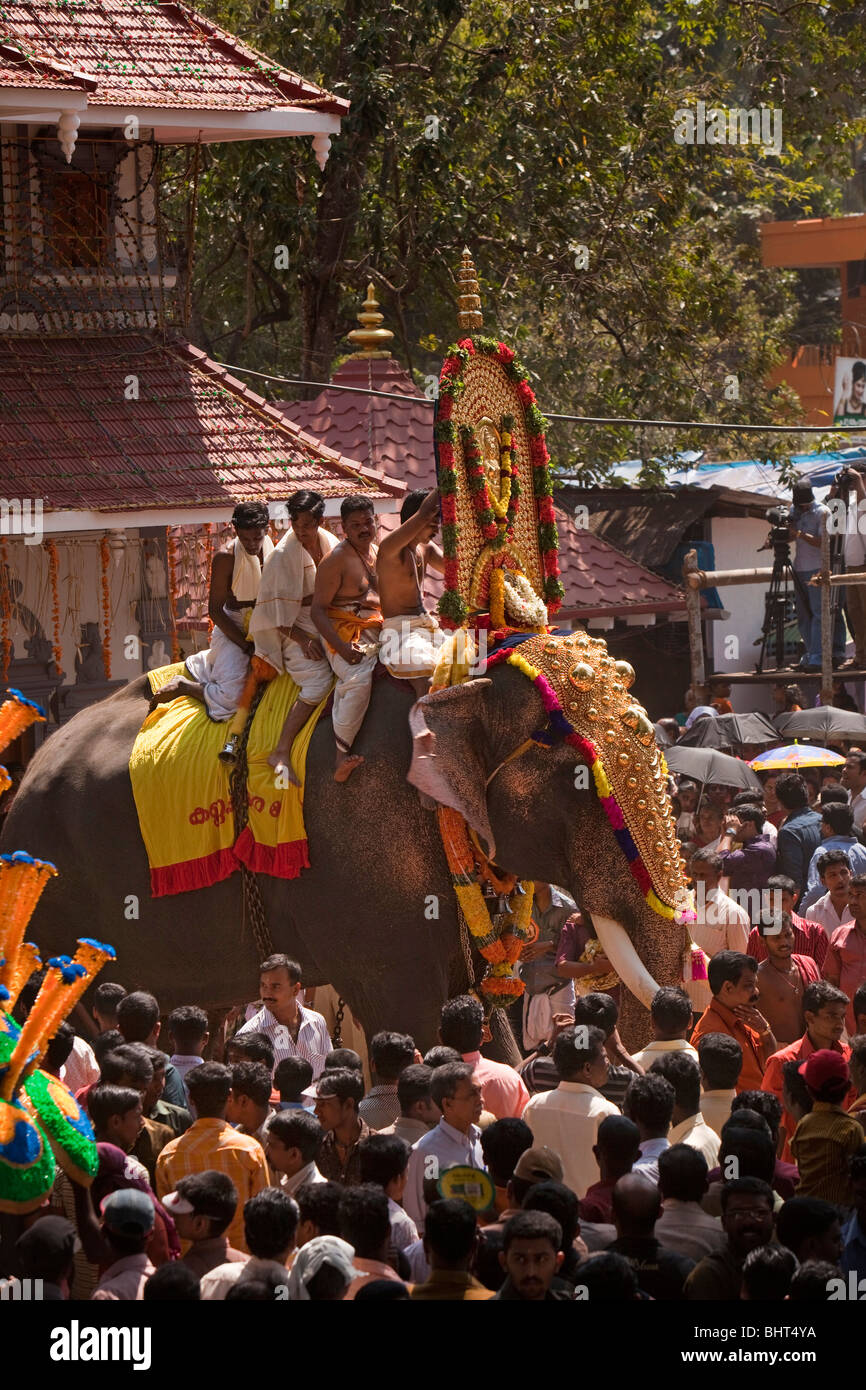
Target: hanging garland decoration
501	944
452	607
171	558
105	556
561	726
5	609
208	564
56	649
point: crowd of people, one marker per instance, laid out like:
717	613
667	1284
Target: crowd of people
722	1159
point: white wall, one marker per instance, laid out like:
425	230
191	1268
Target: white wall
736	541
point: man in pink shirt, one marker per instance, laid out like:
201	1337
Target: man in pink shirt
460	1026
845	966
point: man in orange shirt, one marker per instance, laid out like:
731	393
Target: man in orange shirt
733	980
211	1144
824	1008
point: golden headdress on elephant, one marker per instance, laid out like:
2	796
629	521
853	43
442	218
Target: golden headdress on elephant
501	587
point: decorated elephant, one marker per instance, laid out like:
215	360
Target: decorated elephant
376	913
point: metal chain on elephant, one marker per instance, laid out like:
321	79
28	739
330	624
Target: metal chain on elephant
338	1023
253	902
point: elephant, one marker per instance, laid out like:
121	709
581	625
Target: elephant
376	913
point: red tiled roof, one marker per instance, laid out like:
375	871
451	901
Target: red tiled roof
195	436
154	53
600	580
18	71
388	435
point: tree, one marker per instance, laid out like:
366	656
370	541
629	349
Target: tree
624	266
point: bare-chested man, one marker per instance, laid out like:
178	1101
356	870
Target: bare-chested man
347	613
410	635
216	676
782	979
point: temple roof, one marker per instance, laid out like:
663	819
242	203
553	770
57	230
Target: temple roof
145	53
192	436
393	436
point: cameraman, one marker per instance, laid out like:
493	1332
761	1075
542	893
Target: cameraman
851	485
805	527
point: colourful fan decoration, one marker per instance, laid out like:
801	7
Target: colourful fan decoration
40	1120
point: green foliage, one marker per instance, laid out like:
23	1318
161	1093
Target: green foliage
528	132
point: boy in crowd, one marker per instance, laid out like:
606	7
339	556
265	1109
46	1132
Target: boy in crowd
203	1206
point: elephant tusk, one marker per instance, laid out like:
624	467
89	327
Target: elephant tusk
620	951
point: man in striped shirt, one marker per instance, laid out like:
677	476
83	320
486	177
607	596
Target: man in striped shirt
292	1030
211	1144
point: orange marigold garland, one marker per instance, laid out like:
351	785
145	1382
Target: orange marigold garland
500	946
208	566
105	556
5	609
56	649
171	560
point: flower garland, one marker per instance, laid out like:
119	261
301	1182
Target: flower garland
5	610
105	555
210	547
171	560
500	947
588	750
452	607
56	649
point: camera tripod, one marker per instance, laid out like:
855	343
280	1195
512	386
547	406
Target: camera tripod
782	579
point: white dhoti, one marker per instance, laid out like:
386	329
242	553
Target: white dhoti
352	691
409	645
222	669
312	674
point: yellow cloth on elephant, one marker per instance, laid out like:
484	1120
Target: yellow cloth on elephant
183	798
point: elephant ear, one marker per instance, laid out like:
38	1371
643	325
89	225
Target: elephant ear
449	735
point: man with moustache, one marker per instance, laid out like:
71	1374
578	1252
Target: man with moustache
733	976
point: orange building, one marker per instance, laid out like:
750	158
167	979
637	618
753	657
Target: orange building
835	242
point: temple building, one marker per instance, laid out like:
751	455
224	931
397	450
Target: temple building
123	448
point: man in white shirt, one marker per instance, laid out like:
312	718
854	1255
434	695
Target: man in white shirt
293	1031
649	1103
831	909
688	1125
81	1067
567	1119
854	779
684	1226
671	1020
293	1141
455	1140
722	925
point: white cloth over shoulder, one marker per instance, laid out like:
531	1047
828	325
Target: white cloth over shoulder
247	571
287	579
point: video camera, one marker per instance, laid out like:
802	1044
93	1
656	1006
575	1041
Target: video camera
778	536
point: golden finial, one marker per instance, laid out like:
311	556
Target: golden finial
370	338
469	318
